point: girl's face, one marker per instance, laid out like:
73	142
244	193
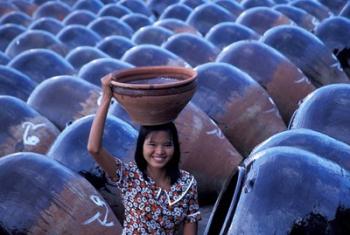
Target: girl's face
158	149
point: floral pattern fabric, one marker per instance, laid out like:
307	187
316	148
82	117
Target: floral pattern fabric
150	209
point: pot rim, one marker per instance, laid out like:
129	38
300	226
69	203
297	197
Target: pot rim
183	76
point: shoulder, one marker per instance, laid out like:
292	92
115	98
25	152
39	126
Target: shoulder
132	165
187	180
185	176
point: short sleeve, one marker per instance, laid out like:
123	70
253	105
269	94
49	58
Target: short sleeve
193	214
120	172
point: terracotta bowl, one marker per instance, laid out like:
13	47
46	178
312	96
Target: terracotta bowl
154	95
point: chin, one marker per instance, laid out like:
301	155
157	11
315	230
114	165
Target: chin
160	166
157	164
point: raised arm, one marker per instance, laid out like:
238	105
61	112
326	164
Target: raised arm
95	148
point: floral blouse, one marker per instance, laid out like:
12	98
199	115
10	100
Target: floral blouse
150	209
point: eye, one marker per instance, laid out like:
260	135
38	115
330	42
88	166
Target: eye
168	144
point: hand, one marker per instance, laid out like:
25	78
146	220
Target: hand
107	86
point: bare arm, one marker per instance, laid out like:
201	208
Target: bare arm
190	228
95	148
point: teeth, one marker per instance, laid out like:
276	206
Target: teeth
159	158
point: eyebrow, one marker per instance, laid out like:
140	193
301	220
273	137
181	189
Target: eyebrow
166	142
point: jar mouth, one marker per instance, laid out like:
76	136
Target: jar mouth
168	77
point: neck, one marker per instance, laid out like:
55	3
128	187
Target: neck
156	174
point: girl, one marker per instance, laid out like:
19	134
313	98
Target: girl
158	197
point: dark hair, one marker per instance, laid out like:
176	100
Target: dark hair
172	167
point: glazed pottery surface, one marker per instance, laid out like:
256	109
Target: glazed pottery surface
44	197
306	194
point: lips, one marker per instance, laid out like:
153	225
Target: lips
158	158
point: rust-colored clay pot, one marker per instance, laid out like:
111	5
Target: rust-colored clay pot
326	110
156	94
260	19
41	196
282	80
313	141
77	98
23	129
241	108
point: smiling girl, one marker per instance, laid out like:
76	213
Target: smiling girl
159	198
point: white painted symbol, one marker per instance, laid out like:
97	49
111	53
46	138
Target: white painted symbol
31	139
97	216
302	80
216	132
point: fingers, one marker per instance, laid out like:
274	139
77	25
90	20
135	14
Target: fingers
106	80
106	85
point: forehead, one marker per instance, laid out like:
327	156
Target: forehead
159	136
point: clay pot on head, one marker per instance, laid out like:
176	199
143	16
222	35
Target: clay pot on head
154	95
44	197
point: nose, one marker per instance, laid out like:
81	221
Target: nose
159	150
